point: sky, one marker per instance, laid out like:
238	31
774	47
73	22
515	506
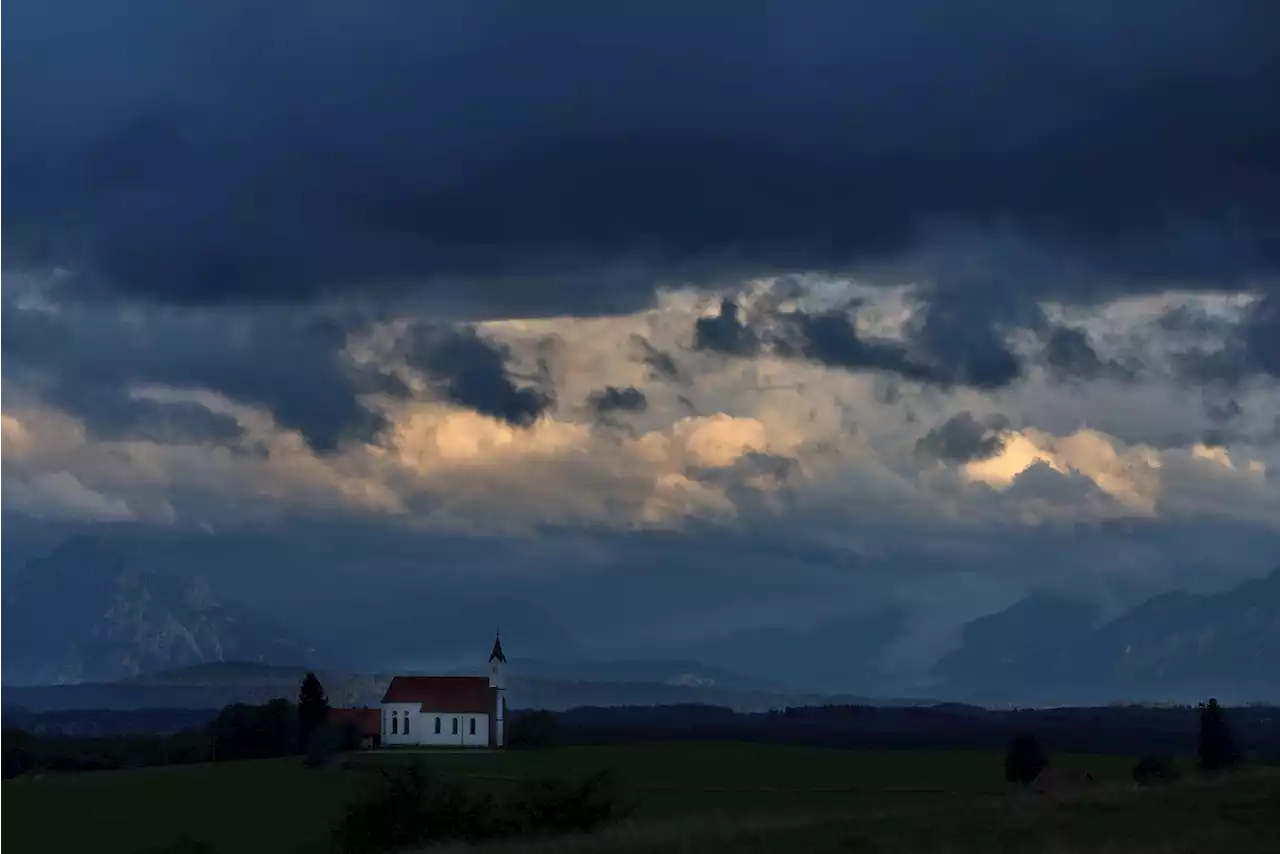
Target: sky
665	320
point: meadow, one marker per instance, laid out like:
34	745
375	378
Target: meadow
686	797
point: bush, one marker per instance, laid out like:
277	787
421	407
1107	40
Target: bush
531	729
1152	770
243	731
19	753
413	807
556	806
324	743
1024	760
410	807
349	737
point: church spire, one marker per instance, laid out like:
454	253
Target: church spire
497	654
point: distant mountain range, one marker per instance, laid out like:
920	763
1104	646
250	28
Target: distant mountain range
211	686
84	612
1177	646
86	625
836	655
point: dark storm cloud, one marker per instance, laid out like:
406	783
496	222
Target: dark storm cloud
1069	355
472	372
613	399
830	339
725	332
661	364
112	414
1251	348
565	151
85	360
963	438
963	344
946	347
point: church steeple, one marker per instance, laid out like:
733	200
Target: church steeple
497	666
498	681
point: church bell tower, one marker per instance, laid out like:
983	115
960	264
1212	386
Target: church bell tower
498	680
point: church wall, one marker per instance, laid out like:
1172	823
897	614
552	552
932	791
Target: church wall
422	727
447	736
401	711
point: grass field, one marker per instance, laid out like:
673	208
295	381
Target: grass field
687	797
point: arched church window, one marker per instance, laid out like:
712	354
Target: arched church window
437	726
406	723
473	726
455	726
395	723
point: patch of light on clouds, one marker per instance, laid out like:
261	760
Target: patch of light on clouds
848	445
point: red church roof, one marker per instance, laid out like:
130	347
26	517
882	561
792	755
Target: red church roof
367	721
462	694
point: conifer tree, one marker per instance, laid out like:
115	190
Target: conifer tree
313	709
1217	746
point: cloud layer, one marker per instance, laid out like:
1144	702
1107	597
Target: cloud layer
562	160
984	295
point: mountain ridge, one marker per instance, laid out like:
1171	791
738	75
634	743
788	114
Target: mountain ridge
218	684
1176	645
83	612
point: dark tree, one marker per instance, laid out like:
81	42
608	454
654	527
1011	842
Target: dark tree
313	709
1025	760
241	731
324	744
532	729
1217	746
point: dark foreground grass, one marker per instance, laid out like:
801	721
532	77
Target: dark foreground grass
687	797
1240	815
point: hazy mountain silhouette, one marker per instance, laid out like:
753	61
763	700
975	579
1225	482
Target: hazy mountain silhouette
1002	651
85	612
673	672
1176	646
210	686
838	655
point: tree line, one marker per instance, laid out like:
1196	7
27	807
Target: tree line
283	728
1216	752
238	731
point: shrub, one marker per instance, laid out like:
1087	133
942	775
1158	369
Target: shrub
1024	760
1151	770
324	743
531	729
557	806
19	753
412	807
349	737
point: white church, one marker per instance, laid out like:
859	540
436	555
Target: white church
440	711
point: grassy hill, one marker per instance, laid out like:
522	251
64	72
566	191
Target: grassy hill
695	797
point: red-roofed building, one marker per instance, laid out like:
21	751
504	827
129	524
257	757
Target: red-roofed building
367	722
466	711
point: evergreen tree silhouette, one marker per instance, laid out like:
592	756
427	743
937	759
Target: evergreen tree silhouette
313	709
1217	746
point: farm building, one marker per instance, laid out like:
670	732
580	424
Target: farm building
367	722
